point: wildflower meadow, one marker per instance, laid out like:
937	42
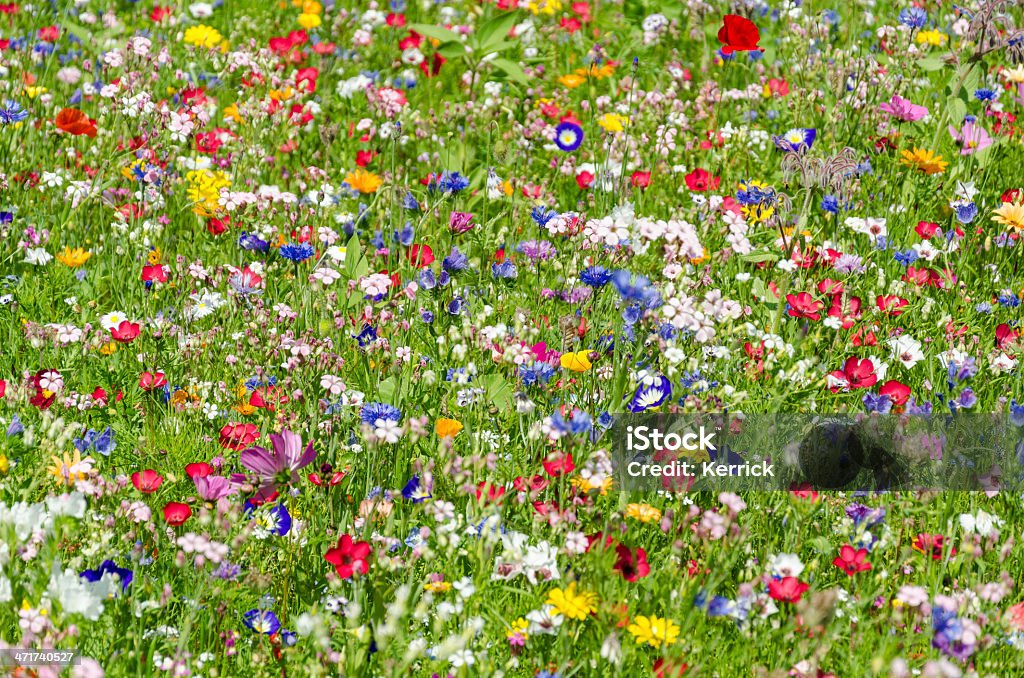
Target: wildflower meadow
320	320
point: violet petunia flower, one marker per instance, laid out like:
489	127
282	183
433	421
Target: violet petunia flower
901	108
280	465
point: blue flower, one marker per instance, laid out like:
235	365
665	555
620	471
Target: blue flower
107	567
15	427
595	276
542	216
796	140
1016	413
366	336
966	210
506	270
12	112
568	136
650	396
101	442
371	412
913	17
907	257
275	519
830	203
877	403
985	94
537	373
409	202
262	621
297	252
455	262
453	182
416	490
253	243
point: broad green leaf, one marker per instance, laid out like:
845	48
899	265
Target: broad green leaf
513	70
759	257
498	391
957	109
931	63
452	49
436	32
495	31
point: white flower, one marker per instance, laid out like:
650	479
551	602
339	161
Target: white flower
982	523
37	256
906	350
786	565
462	658
387	431
544	621
112	320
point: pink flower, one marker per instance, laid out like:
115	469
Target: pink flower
971	138
278	465
901	108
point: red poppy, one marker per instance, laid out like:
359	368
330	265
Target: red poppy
149	380
217	225
305	79
160	13
268	397
364	158
49	33
126	332
699	180
535	484
787	589
640	179
899	393
154	274
631	563
584	180
738	34
176	513
856	373
932	544
559	465
570	25
199	469
804	491
927	229
3	388
891	303
1005	336
848	312
831	287
851	560
147	481
73	121
349	557
420	256
238	436
1012	195
803	305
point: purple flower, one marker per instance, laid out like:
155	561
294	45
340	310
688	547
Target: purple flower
971	138
460	222
279	466
212	488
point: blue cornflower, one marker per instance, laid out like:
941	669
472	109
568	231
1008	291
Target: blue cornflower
595	276
12	112
906	257
542	216
1009	300
101	442
877	403
830	203
409	202
455	306
537	373
913	17
407	235
506	270
985	94
253	243
297	252
453	182
371	412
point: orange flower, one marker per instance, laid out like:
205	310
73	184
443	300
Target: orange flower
447	428
73	121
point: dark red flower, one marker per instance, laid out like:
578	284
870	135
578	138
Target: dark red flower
559	464
738	34
349	557
631	563
856	373
147	481
1005	336
932	544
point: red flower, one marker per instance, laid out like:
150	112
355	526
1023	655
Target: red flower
931	544
148	381
1005	337
238	436
584	180
49	33
3	387
738	34
856	373
147	481
803	305
668	668
534	484
420	256
74	122
176	513
640	179
199	469
570	25
831	287
155	273
160	13
489	493
268	397
559	465
891	303
804	491
699	180
395	20
305	79
630	563
927	229
126	332
787	589
364	158
349	557
217	225
898	393
851	560
1012	195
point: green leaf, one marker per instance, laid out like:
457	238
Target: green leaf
957	109
451	49
356	265
931	63
387	389
758	289
436	32
80	32
513	70
759	257
499	391
495	31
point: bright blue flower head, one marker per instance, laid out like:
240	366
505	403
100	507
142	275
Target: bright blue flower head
568	136
262	621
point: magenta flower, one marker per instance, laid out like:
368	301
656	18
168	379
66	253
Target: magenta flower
901	108
460	222
212	488
971	138
280	465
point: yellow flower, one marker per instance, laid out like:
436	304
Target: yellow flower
569	603
73	258
203	36
5	465
598	482
576	362
447	428
312	7
231	113
654	631
281	94
571	80
33	92
924	160
645	513
548	7
1010	214
1014	75
309	21
363	181
70	469
108	348
438	586
204	190
518	628
612	122
933	37
154	257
